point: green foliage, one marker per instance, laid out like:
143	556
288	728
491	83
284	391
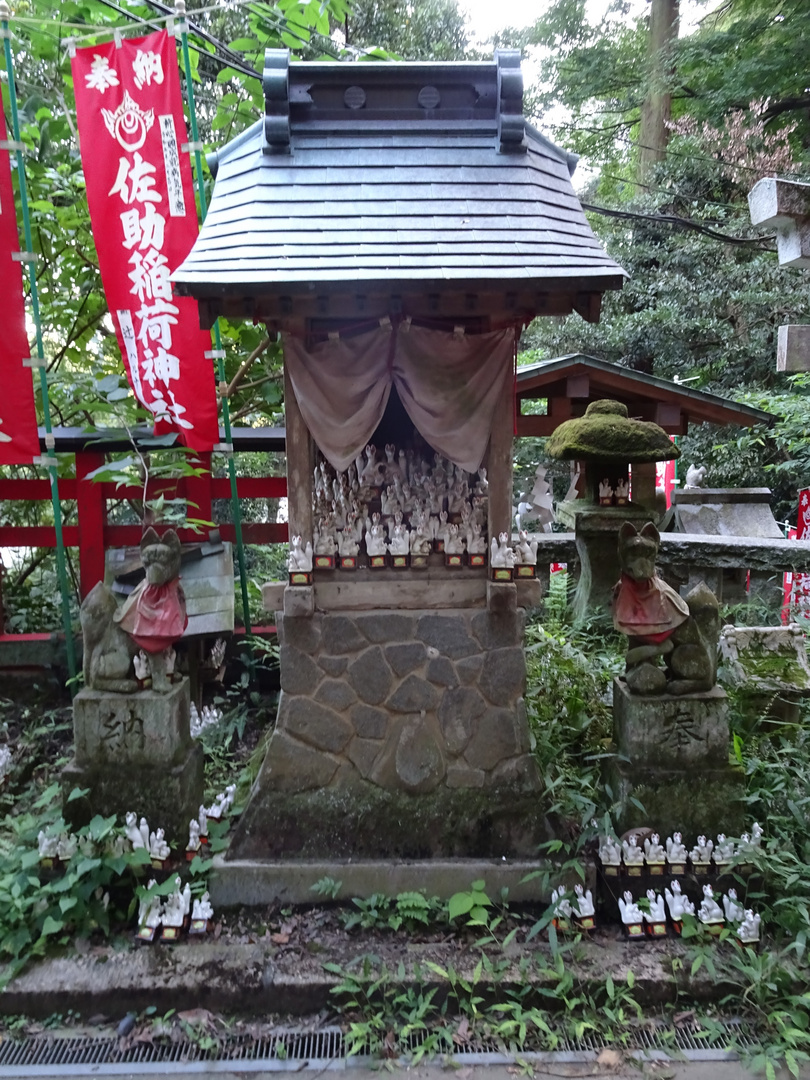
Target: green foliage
327	888
38	909
570	720
427	30
408	911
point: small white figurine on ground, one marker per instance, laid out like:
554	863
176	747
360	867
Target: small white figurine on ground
158	845
751	844
300	557
654	849
560	903
748	930
5	762
710	911
501	554
150	910
202	908
67	846
656	914
702	851
633	854
678	903
47	845
734	910
630	911
193	835
610	853
584	900
676	849
723	850
526	550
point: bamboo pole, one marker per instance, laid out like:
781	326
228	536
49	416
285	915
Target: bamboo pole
218	352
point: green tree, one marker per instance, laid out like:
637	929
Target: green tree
421	30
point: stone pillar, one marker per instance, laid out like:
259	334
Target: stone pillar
673	757
597	539
399	735
135	752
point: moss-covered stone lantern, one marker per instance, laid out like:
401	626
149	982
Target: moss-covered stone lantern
607	442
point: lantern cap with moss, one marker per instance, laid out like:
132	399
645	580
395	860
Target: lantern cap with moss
607	434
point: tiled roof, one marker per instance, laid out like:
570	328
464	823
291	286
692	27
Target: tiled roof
325	190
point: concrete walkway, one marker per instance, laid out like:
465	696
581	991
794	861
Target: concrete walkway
709	1070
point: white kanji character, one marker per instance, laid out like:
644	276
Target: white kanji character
170	411
156	323
138	173
146	231
147	66
131	224
161	367
152	227
101	74
150	276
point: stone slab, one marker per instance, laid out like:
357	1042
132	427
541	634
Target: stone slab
358	819
273	595
167	797
686	732
140	729
727	552
793	348
259	979
299	601
259	883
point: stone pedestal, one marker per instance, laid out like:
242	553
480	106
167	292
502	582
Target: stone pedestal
134	752
673	757
399	735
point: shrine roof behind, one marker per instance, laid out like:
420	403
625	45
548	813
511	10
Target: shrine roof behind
412	173
577	379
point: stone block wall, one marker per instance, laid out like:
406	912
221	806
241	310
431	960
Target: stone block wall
398	733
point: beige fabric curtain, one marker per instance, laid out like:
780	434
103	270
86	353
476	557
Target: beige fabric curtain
448	383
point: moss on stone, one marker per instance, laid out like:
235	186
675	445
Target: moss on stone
361	820
606	433
693	803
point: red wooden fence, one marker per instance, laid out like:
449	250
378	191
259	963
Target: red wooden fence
92	534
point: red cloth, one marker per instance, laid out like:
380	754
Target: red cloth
649	609
154	616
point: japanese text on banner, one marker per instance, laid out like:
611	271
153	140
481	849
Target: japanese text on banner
139	188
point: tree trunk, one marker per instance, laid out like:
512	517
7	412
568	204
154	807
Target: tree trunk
656	110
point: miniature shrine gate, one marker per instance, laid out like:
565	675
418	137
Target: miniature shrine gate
398	225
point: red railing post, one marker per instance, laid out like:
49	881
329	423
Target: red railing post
198	489
91	510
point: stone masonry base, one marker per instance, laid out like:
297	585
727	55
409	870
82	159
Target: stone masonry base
401	735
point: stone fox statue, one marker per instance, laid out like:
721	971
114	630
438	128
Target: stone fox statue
152	618
658	623
108	651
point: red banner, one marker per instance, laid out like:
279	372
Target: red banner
141	198
797	586
19	442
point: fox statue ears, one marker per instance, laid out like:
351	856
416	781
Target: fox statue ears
169	538
649	532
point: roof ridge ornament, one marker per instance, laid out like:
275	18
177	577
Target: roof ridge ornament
511	121
276	83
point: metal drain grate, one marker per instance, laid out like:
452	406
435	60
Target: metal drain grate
52	1056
